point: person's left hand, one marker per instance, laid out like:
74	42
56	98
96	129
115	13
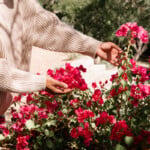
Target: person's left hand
109	52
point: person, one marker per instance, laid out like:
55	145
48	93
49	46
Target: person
23	24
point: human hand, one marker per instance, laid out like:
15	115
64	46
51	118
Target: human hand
56	86
109	52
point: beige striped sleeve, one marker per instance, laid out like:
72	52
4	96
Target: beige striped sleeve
14	80
52	34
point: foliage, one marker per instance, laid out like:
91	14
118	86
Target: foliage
100	18
105	118
48	4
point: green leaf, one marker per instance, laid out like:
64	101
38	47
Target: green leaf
124	83
129	76
35	146
120	72
51	133
124	96
49	144
120	147
65	111
37	126
51	115
123	62
60	140
30	124
51	123
46	132
73	120
93	125
128	140
128	93
1	137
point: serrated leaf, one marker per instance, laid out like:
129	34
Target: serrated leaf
30	124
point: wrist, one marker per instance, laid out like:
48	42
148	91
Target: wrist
98	58
46	81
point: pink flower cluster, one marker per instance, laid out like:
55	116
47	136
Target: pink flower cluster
26	112
139	91
83	132
74	102
70	75
97	96
4	130
142	136
136	31
140	70
119	130
105	119
22	142
83	114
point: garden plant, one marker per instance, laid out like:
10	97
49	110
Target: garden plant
105	118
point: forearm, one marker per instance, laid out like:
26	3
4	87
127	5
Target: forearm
50	33
14	80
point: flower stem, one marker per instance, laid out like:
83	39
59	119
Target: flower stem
128	49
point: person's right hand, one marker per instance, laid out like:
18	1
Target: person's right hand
56	86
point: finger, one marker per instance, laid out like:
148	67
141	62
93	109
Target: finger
60	84
115	60
116	47
68	90
115	63
61	91
56	90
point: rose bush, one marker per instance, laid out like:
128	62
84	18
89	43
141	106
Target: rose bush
105	118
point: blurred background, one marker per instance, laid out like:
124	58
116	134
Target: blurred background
101	18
